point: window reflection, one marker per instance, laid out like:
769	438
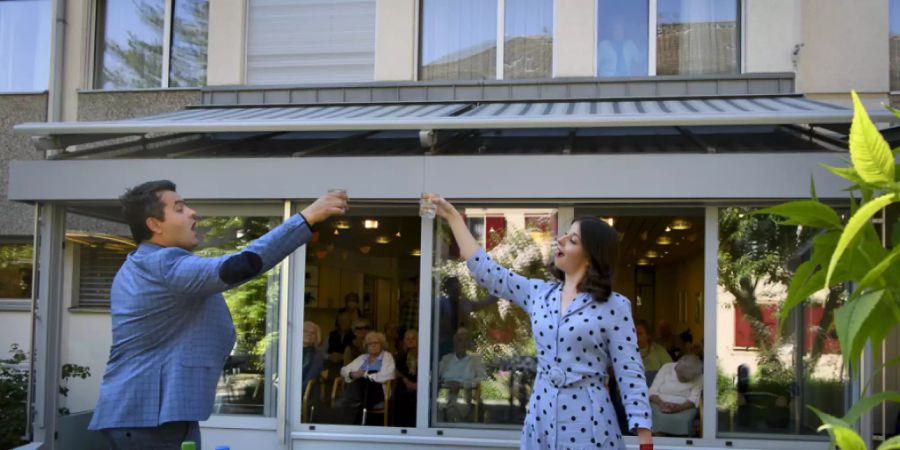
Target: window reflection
483	362
248	382
696	37
622	38
459	40
190	25
894	29
528	42
765	376
15	270
130	44
24	45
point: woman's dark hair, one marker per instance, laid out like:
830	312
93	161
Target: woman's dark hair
141	202
601	244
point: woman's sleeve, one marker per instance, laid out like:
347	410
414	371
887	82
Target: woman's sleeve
629	369
352	367
502	282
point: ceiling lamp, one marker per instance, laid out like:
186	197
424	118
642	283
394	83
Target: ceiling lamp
336	232
382	240
643	262
681	224
664	240
370	224
342	225
651	254
365	249
609	220
416	252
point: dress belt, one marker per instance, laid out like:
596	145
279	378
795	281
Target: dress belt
556	376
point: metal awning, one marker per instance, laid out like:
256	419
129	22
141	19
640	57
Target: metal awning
744	110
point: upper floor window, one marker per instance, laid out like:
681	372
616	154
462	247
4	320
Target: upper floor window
894	26
24	45
310	41
151	43
692	37
459	39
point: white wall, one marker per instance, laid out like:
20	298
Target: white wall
772	28
395	40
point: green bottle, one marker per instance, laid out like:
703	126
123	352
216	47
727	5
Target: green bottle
188	445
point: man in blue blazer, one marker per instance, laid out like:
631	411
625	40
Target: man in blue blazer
171	329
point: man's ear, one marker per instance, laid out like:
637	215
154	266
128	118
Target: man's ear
154	225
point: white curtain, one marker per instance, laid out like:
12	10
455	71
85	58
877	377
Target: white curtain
697	37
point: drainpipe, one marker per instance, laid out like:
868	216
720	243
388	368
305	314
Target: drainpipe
57	58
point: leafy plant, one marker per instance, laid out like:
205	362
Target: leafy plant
851	251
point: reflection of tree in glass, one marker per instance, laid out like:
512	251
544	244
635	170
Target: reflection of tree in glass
501	330
755	251
249	303
137	64
189	43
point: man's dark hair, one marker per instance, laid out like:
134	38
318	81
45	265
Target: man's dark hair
141	202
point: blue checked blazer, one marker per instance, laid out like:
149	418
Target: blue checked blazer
172	331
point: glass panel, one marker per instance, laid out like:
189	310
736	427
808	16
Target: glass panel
696	37
492	383
190	24
528	42
129	44
248	381
894	26
459	40
764	383
361	311
15	270
24	45
661	271
622	38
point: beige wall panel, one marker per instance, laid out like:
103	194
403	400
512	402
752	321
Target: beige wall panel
846	46
574	40
395	40
772	29
76	56
227	45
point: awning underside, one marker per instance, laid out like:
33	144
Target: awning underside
717	124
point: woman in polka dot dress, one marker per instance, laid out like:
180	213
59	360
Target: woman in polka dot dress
580	328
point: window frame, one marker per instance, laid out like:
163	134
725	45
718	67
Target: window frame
500	43
96	40
652	12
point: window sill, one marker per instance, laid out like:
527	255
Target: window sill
15	304
23	92
89	310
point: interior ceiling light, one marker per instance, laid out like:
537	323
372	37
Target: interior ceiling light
370	224
668	228
643	262
382	240
342	225
664	240
336	232
416	252
609	220
365	249
398	234
651	254
681	224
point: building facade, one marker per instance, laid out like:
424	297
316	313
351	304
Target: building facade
670	119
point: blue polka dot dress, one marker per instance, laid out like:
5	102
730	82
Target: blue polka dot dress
570	407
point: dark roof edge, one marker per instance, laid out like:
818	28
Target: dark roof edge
502	90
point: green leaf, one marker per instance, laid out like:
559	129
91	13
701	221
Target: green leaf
847	439
865	404
878	271
806	282
847	173
849	320
892	109
890	444
870	153
812	187
854	225
809	213
828	420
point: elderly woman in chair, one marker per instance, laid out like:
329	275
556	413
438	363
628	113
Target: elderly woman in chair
366	377
675	396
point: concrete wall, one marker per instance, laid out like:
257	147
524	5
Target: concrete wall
17	219
109	105
771	30
574	38
226	54
396	40
846	46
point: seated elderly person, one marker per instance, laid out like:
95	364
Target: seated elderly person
652	354
313	358
366	376
460	371
675	396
